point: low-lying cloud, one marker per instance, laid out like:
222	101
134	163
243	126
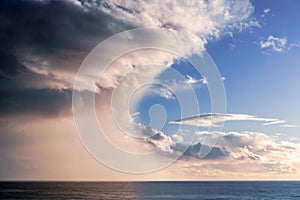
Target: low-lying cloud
261	151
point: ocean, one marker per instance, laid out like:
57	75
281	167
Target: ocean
152	190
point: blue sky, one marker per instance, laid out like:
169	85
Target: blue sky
259	81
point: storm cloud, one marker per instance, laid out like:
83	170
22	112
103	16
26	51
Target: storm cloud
42	46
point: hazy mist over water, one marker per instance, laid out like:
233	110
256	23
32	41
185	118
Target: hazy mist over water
151	190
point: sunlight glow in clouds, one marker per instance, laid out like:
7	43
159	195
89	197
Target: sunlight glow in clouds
199	20
195	18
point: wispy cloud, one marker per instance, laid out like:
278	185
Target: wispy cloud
267	10
204	81
170	86
277	44
276	121
191	17
215	119
289	126
165	93
191	80
273	43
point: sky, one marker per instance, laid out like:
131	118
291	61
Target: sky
149	90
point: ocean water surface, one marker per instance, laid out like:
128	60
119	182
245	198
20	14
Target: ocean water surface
151	190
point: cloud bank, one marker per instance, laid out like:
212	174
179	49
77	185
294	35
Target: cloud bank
248	152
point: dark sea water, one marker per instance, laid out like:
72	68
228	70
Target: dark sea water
151	190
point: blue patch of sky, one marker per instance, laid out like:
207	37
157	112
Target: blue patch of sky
256	83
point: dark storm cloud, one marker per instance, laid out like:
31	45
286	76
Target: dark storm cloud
10	66
46	27
56	32
40	102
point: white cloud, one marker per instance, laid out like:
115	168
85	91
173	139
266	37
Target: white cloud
191	80
186	84
214	119
295	44
262	152
235	154
274	122
165	93
175	85
294	139
244	25
204	81
177	138
200	20
289	126
275	44
161	142
196	18
267	10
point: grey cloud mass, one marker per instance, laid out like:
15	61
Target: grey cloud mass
42	45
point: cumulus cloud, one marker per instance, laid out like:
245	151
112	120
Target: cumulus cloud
161	141
262	153
174	145
215	119
199	20
177	137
